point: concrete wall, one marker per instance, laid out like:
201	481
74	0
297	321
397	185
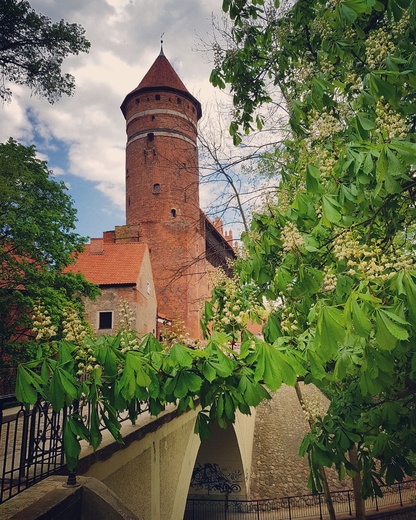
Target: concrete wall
52	499
151	475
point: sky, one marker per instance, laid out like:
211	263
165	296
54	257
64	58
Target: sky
82	137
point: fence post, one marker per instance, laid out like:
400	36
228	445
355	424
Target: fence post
25	429
400	495
72	476
349	503
290	512
320	507
376	503
258	511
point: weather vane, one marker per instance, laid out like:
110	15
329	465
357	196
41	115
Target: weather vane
161	43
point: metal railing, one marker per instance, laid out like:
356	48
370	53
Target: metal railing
31	443
294	507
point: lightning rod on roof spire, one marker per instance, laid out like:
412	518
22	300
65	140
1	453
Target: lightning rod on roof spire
161	44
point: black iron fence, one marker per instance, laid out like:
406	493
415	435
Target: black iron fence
294	507
31	443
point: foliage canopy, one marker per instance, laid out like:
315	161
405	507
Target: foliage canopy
32	50
37	241
334	252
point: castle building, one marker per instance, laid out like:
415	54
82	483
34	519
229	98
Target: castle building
162	202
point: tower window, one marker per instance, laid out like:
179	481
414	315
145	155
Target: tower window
157	97
137	100
150	136
105	320
153	118
179	100
173	212
156	187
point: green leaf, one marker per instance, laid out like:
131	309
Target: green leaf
180	355
72	446
253	393
365	122
112	423
96	435
392	323
330	209
25	392
362	322
229	407
202	426
268	366
410	288
329	331
312	179
208	371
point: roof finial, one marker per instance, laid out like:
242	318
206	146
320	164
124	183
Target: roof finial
161	44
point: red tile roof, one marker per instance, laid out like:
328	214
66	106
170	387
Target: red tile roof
113	264
161	75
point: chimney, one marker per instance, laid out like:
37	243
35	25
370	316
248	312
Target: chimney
96	247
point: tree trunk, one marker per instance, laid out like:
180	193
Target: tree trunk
321	469
357	485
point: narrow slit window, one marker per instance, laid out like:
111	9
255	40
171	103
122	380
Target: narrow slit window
156	188
173	212
150	136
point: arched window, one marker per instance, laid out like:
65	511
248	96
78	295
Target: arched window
173	212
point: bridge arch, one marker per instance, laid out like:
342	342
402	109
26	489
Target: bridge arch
152	473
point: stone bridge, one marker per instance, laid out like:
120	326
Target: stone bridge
163	461
152	472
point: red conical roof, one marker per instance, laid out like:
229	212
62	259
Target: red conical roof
161	75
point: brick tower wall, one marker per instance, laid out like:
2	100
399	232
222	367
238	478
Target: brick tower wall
162	199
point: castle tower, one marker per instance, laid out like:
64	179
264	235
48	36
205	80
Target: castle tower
162	189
